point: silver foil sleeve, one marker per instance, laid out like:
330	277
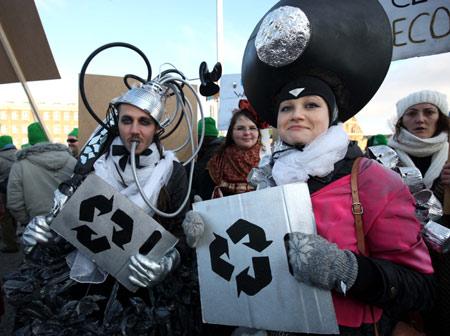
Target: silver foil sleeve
384	155
437	236
412	177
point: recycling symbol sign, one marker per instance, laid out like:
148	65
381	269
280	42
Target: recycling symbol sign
219	247
106	227
119	217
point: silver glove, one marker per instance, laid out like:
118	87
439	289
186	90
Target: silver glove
146	272
38	231
193	227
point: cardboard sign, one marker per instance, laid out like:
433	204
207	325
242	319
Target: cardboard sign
243	267
419	27
109	229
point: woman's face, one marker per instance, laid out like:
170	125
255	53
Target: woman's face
245	133
421	120
135	124
302	120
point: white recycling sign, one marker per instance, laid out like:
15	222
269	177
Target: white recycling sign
243	268
107	228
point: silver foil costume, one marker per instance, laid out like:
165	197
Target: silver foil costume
48	300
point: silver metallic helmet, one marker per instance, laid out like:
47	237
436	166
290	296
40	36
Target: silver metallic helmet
149	97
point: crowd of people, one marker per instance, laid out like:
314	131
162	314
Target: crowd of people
368	249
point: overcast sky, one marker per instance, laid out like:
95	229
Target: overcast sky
183	33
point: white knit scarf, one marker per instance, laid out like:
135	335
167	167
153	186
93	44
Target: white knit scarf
316	159
153	175
406	144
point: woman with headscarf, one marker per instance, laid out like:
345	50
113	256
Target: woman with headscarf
306	84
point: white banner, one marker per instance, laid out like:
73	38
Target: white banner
419	27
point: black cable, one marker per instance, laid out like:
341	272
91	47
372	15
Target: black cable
128	76
89	59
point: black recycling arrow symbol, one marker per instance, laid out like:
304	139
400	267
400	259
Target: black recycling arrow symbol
84	236
217	248
256	235
263	276
88	206
122	237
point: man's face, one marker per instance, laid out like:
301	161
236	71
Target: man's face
73	144
135	124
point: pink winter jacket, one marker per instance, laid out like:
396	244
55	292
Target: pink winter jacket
391	229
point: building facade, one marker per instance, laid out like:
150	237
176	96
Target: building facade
58	118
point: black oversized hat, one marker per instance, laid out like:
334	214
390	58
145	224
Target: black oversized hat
345	43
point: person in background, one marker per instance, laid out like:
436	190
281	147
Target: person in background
36	174
72	142
7	222
421	137
202	185
240	152
421	141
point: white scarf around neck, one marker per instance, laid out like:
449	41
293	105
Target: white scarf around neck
406	144
153	174
316	159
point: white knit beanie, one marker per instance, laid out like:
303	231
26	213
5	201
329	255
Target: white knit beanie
426	96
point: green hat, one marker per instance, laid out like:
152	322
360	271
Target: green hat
36	134
210	127
378	139
6	140
74	132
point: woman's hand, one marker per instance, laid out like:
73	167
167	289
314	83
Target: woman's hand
445	175
318	262
146	272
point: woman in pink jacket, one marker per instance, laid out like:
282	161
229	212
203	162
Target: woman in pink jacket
308	67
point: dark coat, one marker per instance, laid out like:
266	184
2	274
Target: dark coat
202	184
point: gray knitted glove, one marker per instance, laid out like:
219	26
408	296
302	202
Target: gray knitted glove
146	272
318	262
193	227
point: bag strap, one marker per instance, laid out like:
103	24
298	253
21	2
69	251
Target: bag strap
357	208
